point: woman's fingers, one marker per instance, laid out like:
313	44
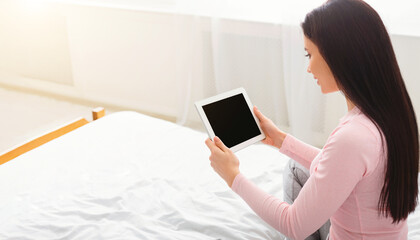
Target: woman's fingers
220	144
209	143
258	114
216	147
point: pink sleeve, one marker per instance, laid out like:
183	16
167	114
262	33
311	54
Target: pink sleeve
299	151
341	166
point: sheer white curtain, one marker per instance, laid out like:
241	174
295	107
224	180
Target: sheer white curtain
249	55
305	102
217	54
269	62
257	45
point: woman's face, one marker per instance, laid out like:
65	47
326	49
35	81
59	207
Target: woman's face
319	68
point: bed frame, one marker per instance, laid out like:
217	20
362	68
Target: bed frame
60	131
21	149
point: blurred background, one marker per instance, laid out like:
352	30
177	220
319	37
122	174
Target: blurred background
61	58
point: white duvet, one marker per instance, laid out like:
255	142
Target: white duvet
129	176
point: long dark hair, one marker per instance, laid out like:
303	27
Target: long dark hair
354	42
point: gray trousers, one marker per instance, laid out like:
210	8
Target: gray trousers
294	177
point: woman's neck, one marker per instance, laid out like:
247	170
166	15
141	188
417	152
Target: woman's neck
350	105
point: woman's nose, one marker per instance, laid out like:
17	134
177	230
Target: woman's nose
308	69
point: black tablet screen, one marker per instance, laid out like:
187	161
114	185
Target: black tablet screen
232	120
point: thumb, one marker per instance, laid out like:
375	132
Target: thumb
220	144
259	115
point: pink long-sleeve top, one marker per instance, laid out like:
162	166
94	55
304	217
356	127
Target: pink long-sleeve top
346	178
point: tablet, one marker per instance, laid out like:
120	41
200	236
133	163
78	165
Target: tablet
230	117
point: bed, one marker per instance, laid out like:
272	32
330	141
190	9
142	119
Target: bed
131	176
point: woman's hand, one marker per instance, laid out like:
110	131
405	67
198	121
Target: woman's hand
223	160
273	136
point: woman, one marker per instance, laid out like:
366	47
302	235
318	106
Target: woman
364	180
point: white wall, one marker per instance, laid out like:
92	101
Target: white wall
120	57
34	42
126	58
407	49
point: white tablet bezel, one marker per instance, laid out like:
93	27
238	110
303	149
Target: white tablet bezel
199	106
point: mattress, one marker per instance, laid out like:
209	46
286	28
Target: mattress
130	176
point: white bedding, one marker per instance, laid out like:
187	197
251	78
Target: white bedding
129	176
